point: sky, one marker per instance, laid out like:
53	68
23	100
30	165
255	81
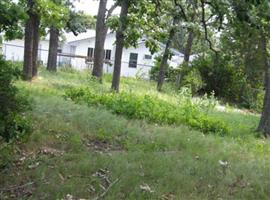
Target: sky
91	6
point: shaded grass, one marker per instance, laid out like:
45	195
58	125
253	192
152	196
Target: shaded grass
175	161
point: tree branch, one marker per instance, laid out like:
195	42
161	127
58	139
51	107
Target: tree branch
182	10
110	11
205	28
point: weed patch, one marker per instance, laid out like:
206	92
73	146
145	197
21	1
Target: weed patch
151	109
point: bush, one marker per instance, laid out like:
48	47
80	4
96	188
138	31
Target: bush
228	82
170	74
151	109
192	79
13	123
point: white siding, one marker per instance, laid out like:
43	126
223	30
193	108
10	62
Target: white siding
143	65
14	50
82	48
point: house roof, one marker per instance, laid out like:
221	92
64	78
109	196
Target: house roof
173	50
70	38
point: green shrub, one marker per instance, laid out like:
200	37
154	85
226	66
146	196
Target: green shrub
193	80
170	74
229	82
150	108
13	123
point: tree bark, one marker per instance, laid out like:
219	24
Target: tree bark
36	37
188	47
187	53
264	125
120	39
101	32
28	43
53	46
164	61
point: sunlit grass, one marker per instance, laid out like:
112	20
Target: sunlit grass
174	161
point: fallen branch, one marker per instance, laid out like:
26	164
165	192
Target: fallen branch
107	190
17	187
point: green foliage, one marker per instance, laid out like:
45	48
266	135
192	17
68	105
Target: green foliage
228	82
79	22
170	159
151	109
53	13
13	123
170	74
191	77
11	15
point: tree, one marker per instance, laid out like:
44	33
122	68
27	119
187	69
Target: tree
120	40
36	37
101	33
187	53
30	41
166	55
53	47
55	26
75	22
252	18
176	11
10	23
264	125
41	13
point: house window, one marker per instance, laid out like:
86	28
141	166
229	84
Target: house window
59	50
147	57
108	54
90	52
133	58
72	50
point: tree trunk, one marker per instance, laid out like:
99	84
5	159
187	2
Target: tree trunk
264	125
120	39
164	61
187	54
28	43
188	46
101	32
53	46
36	23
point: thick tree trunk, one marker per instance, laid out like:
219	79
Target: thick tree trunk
164	61
120	39
28	44
101	32
53	46
187	53
264	125
36	37
31	40
28	51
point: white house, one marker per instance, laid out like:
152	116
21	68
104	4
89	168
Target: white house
14	50
135	61
78	52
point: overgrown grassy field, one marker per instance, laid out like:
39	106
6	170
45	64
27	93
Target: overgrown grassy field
87	152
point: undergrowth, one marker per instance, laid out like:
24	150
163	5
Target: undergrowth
151	109
77	151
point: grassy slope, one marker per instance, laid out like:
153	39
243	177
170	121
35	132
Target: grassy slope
72	142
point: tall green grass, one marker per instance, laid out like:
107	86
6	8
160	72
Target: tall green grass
175	161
